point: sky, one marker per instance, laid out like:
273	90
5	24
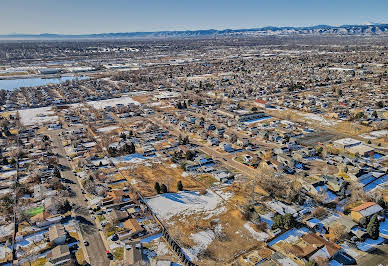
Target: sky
102	16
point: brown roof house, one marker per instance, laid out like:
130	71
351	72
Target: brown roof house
133	253
57	234
132	228
59	255
365	210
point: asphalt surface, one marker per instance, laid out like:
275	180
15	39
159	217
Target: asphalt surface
96	249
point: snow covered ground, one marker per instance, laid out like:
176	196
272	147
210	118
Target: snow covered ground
107	129
35	116
202	240
186	203
375	134
112	102
323	121
132	158
259	236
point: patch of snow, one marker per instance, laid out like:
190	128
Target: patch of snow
132	158
323	121
375	134
259	236
35	116
161	249
185	174
107	129
112	102
186	203
202	240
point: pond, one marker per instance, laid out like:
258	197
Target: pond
12	84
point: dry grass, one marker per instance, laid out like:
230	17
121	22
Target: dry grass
141	98
207	180
233	237
144	177
74	235
79	255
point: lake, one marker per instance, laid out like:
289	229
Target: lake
12	84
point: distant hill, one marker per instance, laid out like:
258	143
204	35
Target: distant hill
367	29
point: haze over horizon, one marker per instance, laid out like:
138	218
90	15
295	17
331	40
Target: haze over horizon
98	16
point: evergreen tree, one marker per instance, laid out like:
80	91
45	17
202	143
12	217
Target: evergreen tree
180	186
373	227
123	136
277	222
56	172
163	188
288	221
157	187
189	155
133	148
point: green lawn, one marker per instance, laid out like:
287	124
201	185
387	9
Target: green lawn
34	211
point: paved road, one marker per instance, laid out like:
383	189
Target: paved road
96	250
227	159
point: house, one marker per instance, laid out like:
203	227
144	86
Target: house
223	176
212	141
334	183
286	160
325	249
362	149
59	255
345	221
365	210
116	216
133	253
243	117
346	143
45	218
57	234
243	142
114	197
133	226
226	146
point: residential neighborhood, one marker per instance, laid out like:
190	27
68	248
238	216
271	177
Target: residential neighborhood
178	152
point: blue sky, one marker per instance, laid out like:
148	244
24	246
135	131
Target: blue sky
98	16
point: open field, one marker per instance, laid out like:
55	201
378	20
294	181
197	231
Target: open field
144	175
205	225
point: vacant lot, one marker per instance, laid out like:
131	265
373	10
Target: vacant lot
313	138
206	226
144	174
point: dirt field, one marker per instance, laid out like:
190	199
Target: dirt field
206	236
312	139
143	177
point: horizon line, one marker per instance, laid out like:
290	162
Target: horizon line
191	30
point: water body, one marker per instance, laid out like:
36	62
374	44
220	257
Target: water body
12	84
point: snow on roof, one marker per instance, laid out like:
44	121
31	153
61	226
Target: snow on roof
371	210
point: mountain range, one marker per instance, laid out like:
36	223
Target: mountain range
367	29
